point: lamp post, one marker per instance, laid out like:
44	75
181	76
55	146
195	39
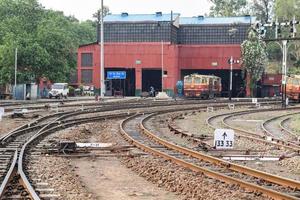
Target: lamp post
102	84
284	72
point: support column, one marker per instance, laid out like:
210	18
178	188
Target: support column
248	90
138	82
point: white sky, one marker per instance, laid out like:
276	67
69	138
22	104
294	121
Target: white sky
84	9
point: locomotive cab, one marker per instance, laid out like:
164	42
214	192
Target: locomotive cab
202	86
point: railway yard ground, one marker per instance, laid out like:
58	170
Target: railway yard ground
149	149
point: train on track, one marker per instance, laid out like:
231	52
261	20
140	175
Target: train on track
202	86
293	87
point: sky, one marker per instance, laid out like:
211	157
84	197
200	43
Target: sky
84	9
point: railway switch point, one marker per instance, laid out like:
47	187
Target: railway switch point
231	106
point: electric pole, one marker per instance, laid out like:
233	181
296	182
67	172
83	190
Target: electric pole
102	83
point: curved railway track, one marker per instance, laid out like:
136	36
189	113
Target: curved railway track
263	138
17	145
274	128
283	125
135	131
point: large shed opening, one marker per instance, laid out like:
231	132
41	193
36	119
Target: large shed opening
117	85
151	77
238	85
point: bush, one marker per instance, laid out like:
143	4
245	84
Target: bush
71	91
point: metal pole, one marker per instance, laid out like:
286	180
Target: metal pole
284	72
102	88
162	66
230	87
294	26
16	67
276	28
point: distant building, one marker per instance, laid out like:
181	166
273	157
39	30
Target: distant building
135	43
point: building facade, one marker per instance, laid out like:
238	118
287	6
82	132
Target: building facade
141	45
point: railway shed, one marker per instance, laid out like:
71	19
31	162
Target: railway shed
140	44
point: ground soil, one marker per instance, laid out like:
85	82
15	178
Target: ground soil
107	178
8	124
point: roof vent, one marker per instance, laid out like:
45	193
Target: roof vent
200	17
158	14
124	14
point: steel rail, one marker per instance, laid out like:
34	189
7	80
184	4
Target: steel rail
24	179
44	130
9	173
243	133
21	172
181	102
28	125
235	167
263	125
107	107
281	124
254	136
207	172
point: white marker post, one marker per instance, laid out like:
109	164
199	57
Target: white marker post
1	113
224	138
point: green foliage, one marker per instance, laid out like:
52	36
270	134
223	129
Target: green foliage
71	91
262	9
227	8
47	41
287	9
254	58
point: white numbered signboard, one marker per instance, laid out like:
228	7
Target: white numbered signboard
1	113
94	145
224	138
254	100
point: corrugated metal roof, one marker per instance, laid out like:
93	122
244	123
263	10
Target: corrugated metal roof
201	20
125	17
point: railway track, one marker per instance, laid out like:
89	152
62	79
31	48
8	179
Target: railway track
18	180
265	137
62	104
221	121
14	184
231	173
135	131
274	128
284	126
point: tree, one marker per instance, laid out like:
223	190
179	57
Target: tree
263	9
97	16
47	41
287	9
254	58
226	8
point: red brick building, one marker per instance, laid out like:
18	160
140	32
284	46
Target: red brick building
141	44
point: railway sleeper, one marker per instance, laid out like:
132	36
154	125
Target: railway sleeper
49	196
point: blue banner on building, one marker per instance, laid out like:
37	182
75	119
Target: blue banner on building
116	75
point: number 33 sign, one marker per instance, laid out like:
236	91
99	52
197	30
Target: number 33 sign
223	138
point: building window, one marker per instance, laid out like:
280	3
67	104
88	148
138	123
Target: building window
86	59
87	76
